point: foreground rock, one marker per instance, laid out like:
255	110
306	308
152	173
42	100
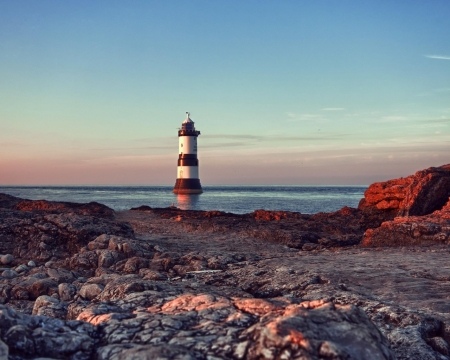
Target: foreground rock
45	230
199	327
420	194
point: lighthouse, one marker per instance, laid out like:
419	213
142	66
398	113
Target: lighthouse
188	181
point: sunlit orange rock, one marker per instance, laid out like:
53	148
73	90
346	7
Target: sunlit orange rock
419	194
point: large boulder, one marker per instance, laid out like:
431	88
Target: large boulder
419	194
412	230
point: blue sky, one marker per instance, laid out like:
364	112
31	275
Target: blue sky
292	92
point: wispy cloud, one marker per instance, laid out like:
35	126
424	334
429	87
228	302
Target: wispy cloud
333	109
393	118
305	117
439	57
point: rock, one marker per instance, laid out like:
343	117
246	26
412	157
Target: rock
440	345
134	264
419	194
19	339
49	306
413	230
50	338
43	287
49	264
31	263
7	259
148	274
108	258
309	246
84	261
90	291
9	274
21	268
66	291
4	351
145	352
298	333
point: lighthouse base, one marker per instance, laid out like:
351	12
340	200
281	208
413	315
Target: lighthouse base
188	186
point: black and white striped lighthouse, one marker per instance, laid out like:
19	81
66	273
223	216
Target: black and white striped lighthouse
188	181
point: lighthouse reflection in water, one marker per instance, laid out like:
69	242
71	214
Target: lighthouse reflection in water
187	201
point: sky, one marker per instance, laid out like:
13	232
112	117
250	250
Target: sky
283	92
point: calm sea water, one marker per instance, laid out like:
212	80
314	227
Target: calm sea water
235	199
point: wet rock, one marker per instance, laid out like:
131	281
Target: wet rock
91	291
7	259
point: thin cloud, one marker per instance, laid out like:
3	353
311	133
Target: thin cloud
304	117
333	109
393	118
439	57
435	121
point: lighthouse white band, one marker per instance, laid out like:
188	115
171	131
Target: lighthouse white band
187	172
187	145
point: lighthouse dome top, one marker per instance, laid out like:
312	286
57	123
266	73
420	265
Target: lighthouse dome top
188	119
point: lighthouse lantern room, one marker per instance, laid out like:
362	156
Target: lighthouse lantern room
188	181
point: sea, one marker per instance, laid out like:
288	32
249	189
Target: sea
234	199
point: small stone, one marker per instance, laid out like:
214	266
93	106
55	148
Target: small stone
309	246
7	259
21	268
31	263
9	274
49	264
90	291
67	291
440	345
160	249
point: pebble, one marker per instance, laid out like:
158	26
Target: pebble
7	259
31	263
21	268
9	274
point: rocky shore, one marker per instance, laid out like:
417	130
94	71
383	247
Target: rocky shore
81	281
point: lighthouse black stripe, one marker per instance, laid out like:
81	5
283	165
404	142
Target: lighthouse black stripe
187	162
182	184
187	156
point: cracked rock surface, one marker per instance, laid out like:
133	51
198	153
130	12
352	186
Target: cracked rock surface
85	282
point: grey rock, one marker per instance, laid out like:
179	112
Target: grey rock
4	350
49	306
9	274
67	291
31	263
21	268
7	259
